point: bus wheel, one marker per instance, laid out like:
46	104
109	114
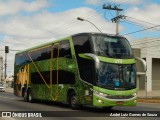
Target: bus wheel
25	97
73	102
30	97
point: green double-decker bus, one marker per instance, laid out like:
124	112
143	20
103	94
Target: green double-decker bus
84	69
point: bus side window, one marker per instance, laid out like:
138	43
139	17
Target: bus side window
55	51
18	59
26	58
65	50
41	54
85	66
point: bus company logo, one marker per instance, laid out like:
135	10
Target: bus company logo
6	114
118	61
21	114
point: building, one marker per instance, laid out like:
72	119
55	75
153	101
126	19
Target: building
149	50
9	81
1	69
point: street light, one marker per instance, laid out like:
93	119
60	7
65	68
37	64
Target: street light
81	19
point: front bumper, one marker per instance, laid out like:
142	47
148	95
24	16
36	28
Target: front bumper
101	101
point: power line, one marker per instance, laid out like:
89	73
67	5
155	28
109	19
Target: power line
111	13
64	26
140	24
142	30
73	22
141	20
106	19
137	24
132	23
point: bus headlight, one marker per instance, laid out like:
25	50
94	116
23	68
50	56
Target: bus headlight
99	93
135	94
100	101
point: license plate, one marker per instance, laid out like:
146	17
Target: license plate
119	102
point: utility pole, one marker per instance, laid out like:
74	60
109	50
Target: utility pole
115	19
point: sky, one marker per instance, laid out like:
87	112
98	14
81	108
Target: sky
27	23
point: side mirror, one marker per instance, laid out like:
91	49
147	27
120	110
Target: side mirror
143	62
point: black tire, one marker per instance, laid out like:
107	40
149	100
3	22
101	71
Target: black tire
30	96
73	101
25	97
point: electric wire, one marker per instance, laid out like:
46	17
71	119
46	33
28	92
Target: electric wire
140	24
142	30
106	19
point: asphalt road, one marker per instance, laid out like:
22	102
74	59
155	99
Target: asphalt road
16	105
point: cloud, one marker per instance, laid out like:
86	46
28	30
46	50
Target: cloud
11	7
148	13
22	32
46	24
131	2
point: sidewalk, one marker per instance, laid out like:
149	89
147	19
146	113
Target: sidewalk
150	94
9	89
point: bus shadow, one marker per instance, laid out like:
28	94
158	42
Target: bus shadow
90	109
49	103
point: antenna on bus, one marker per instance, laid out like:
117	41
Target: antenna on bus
82	19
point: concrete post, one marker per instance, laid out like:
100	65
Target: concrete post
149	73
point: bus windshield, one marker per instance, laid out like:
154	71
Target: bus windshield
117	76
113	47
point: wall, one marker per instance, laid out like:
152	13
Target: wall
155	74
150	51
1	68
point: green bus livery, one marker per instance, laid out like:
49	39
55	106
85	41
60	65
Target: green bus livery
83	69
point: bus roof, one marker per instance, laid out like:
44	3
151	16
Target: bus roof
69	37
41	45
